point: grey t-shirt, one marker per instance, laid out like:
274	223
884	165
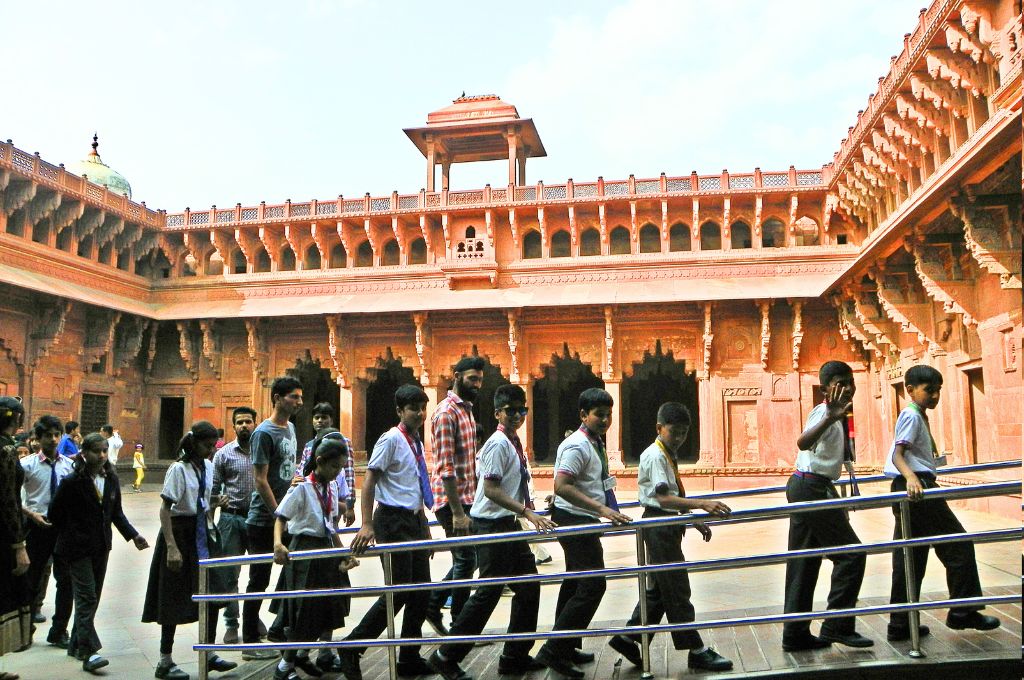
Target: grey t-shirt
274	447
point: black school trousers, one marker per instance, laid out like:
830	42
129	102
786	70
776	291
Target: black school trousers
820	529
39	544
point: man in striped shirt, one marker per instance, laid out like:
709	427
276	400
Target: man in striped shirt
453	433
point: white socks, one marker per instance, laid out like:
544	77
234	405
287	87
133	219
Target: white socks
283	665
167	660
703	649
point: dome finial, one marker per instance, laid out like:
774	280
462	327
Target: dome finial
95	144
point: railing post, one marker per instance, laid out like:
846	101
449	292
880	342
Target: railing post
641	578
908	572
389	599
204	657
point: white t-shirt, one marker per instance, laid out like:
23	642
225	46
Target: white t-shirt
398	485
653	471
114	445
99	481
577	457
912	432
826	456
301	507
498	462
181	487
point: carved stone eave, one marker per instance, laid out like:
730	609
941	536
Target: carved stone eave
424	344
187	349
100	331
993	237
17	195
212	345
48	333
129	341
940	288
852	331
911	317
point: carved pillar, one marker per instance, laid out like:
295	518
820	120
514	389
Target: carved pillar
708	338
797	336
613	439
608	368
766	330
423	345
346	414
514	344
357	409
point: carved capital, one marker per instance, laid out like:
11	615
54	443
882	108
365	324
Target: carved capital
187	348
212	346
100	329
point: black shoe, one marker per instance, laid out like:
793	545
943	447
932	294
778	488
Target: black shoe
38	617
627	648
276	635
348	659
59	639
306	665
328	664
285	675
220	665
559	665
708	660
546	560
848	639
902	633
94	664
805	644
170	671
436	621
579	657
518	665
975	620
449	670
412	669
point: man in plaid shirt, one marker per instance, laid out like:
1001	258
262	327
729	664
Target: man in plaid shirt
453	433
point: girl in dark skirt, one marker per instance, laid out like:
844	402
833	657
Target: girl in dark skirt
15	616
184	539
310	513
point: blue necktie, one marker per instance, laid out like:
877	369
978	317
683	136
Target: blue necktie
421	472
53	479
202	547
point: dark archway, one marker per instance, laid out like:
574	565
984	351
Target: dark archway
710	236
620	244
531	245
418	252
561	245
679	237
590	242
657	379
554	402
317	386
740	235
650	239
380	399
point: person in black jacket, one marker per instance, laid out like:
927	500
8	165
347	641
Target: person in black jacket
86	504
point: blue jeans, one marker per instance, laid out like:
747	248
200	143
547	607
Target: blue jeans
463	566
234	541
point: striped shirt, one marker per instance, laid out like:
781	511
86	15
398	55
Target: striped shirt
232	471
348	474
453	433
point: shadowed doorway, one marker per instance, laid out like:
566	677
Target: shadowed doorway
381	415
555	402
657	379
317	386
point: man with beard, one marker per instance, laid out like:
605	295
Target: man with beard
233	477
453	433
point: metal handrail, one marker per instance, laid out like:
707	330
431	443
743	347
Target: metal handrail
641	571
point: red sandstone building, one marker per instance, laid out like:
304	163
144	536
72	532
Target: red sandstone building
725	291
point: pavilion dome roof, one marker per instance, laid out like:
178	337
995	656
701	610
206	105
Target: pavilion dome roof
98	172
485	108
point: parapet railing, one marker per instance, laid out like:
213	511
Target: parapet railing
640	572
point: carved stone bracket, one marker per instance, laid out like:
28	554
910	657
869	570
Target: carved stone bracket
129	341
935	265
514	337
424	345
766	330
248	244
46	334
425	232
256	343
993	237
797	336
338	345
272	242
154	327
212	345
906	307
854	333
100	331
320	234
16	195
187	349
608	370
708	338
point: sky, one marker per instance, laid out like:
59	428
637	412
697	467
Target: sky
231	101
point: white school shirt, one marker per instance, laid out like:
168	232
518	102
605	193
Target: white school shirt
577	457
114	444
498	462
301	507
35	492
912	432
398	484
181	488
826	456
653	471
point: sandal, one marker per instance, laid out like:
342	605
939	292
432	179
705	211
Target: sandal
9	676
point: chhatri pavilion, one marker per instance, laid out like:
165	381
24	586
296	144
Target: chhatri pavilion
725	291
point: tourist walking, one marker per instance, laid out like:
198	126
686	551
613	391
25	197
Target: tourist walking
15	594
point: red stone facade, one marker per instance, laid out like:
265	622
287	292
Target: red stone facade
727	291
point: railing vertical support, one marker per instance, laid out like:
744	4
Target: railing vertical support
912	594
645	639
204	631
389	599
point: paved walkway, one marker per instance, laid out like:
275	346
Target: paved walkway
132	646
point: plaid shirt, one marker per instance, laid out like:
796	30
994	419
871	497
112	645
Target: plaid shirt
453	433
232	471
349	472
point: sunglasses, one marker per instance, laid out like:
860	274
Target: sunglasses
512	411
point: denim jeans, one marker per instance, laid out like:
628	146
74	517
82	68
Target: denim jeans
234	541
463	566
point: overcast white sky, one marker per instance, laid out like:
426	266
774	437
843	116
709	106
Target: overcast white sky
225	102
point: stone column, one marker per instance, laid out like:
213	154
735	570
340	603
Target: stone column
513	154
706	420
431	162
353	400
613	439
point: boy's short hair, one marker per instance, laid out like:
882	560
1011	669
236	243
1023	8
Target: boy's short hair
243	410
831	369
284	386
45	424
469	364
674	413
70	427
922	375
408	395
107	429
508	394
324	408
593	398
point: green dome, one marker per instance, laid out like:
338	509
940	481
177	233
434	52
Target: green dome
99	172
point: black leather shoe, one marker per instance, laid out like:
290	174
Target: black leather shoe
902	633
559	665
61	640
518	665
94	664
349	661
415	668
285	675
306	665
848	639
446	668
627	648
220	665
170	671
805	644
708	660
328	664
276	635
579	657
436	621
975	620
38	617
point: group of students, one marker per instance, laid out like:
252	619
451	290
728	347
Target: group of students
273	499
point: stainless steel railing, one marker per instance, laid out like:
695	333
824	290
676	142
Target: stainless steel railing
640	572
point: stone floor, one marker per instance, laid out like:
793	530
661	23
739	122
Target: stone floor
132	646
